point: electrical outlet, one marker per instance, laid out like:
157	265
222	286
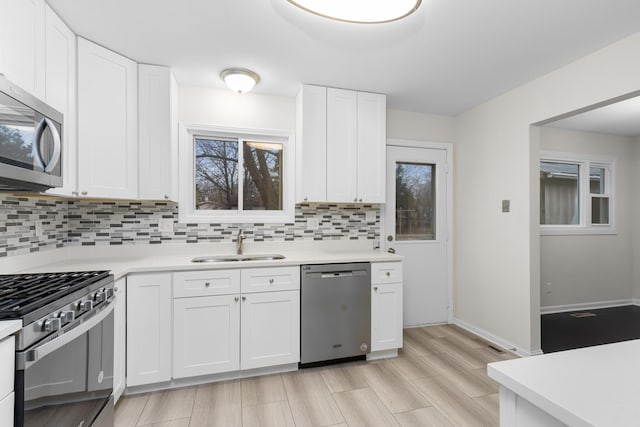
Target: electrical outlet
39	228
165	225
548	289
313	223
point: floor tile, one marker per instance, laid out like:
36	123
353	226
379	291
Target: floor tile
264	389
168	405
362	408
310	400
218	404
396	394
275	414
425	417
128	410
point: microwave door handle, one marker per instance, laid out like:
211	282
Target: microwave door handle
55	156
37	155
28	358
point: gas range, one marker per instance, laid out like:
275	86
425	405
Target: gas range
46	302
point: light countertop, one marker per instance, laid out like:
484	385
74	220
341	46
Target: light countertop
8	327
594	386
124	260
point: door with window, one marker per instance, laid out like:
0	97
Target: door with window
416	228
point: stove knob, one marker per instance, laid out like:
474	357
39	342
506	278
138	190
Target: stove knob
52	324
99	296
110	292
85	305
67	316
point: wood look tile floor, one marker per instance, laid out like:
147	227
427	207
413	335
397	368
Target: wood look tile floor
438	379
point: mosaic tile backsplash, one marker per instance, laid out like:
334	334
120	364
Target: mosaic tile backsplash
31	224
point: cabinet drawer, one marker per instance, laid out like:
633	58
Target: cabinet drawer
204	283
7	360
6	409
270	279
386	272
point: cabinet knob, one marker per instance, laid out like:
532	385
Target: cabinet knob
355	199
244	298
236	299
84	193
306	198
271	280
75	193
388	274
360	200
375	288
207	284
166	196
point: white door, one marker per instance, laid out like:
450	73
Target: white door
416	227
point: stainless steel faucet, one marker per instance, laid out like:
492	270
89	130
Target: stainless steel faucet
239	241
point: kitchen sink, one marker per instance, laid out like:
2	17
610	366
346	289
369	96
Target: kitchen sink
227	258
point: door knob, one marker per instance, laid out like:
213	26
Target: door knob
390	238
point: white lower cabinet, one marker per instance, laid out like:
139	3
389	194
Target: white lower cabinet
386	306
148	328
119	338
6	410
270	329
206	334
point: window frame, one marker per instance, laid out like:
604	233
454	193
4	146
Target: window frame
187	212
585	163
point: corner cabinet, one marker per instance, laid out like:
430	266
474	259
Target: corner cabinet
341	145
107	123
148	328
386	306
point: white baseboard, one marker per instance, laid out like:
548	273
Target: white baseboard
550	309
500	342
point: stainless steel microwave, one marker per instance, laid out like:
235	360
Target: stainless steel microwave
30	141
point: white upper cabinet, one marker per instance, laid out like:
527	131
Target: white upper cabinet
341	146
60	93
311	150
22	44
158	133
107	123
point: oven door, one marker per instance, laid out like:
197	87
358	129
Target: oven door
68	380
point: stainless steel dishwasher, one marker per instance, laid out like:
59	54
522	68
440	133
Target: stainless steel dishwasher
335	312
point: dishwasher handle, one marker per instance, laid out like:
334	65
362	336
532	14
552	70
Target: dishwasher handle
336	274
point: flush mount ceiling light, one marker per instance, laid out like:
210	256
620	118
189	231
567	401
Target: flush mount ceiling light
360	11
240	80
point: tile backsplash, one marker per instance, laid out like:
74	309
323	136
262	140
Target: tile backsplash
30	224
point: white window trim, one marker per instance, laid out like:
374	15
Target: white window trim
187	212
585	227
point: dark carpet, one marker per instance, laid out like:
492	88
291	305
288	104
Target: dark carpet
561	331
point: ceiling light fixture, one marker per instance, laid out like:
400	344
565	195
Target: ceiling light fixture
240	80
360	11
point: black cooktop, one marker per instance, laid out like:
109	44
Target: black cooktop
21	294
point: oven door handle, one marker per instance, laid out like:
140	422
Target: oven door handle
26	359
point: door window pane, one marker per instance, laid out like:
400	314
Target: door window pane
216	169
262	176
600	210
415	201
559	193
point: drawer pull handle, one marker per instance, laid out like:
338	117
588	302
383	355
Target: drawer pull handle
207	284
271	280
244	298
236	299
375	288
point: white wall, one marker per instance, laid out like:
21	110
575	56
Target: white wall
420	127
497	255
585	269
635	215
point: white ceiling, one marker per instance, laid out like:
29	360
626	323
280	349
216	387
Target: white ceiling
446	58
621	118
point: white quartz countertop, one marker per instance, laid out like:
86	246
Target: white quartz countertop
594	386
9	327
136	259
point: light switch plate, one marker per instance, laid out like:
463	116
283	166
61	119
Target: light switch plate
506	205
165	225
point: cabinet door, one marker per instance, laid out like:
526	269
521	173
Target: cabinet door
60	93
119	338
148	328
157	144
341	145
107	123
386	317
206	335
7	405
270	329
311	149
372	134
22	44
